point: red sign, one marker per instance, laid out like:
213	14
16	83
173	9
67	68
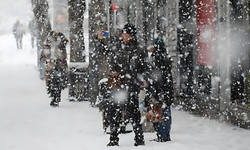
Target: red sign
206	32
114	7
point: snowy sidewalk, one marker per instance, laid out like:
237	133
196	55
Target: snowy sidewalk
27	122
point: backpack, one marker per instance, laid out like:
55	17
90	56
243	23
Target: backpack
115	80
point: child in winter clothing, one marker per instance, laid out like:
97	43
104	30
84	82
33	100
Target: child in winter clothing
160	88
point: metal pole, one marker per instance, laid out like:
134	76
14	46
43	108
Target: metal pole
228	94
224	57
115	21
108	17
155	18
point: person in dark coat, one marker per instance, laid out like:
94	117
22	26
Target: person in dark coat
160	88
18	31
129	66
55	57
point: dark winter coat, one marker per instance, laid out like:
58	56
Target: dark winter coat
129	59
160	76
57	46
59	42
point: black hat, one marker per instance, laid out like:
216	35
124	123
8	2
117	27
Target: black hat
130	29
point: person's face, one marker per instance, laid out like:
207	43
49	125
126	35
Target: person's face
126	37
151	48
54	36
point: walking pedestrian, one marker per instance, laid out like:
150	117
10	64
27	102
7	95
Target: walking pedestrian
128	67
18	31
33	31
55	65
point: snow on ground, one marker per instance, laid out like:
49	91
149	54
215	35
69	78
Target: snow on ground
27	122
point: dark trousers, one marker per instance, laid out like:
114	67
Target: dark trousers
54	86
132	115
56	82
163	128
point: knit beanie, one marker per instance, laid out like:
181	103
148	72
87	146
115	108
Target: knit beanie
158	43
130	29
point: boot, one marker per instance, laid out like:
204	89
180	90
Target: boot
113	143
165	139
58	99
53	103
139	140
139	143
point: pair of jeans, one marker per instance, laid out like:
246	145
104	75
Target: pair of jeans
163	128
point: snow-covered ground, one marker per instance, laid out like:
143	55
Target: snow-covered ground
27	122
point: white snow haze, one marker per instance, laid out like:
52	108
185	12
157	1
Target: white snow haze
27	122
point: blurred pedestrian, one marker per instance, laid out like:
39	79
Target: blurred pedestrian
55	57
160	90
128	66
33	31
18	31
